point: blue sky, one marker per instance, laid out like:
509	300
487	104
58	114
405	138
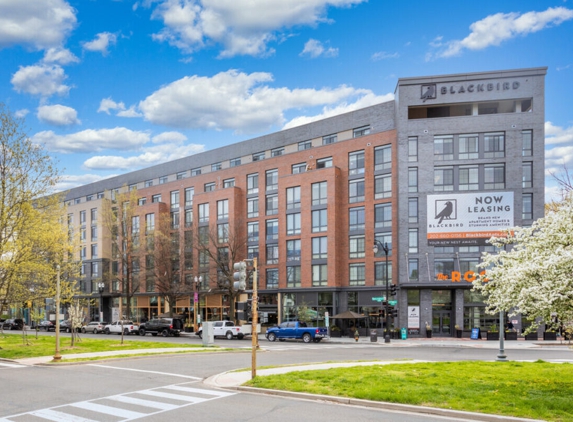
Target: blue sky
111	86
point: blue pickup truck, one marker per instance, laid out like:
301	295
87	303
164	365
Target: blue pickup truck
296	330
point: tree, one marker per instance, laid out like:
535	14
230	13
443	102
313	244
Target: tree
122	223
534	276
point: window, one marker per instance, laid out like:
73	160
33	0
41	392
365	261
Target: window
319	247
293	276
223	209
468	178
181	175
323	163
412	240
148	183
203	258
383	158
216	166
135	224
361	131
527	143
527	180
356	246
469	264
413	179
94	251
319	275
412	210
304	145
357	275
527	211
156	198
93	215
234	162
443	178
258	156
252	207
293	250
94	233
272	204
209	187
494	145
149	223
293	197
253	231
319	193
252	183
293	224
228	183
83	234
413	148
468	147
272	229
89	198
383	186
272	278
383	215
100	195
203	235
276	152
272	180
356	190
319	221
203	213
494	176
195	172
95	269
356	162
82	217
162	180
412	269
83	253
77	200
272	254
329	139
188	218
443	148
298	168
175	199
356	218
252	252
443	268
380	274
142	201
175	220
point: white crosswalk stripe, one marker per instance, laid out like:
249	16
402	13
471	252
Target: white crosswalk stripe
174	396
12	365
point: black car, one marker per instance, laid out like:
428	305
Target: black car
47	326
164	326
13	324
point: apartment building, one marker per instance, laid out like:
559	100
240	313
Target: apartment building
433	174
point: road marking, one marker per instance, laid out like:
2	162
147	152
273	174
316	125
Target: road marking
108	410
142	402
164	395
199	391
12	365
148	372
54	415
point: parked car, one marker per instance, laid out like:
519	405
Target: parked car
296	330
115	327
47	326
226	329
66	325
94	327
13	324
166	326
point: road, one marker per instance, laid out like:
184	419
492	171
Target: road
162	388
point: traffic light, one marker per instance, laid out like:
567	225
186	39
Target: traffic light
394	313
240	275
393	289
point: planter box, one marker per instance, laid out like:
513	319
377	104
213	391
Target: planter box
511	335
493	336
459	333
549	335
531	336
429	334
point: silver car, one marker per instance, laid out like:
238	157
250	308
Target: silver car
94	327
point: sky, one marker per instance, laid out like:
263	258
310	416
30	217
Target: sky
112	86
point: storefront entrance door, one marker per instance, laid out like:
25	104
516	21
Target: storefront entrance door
441	323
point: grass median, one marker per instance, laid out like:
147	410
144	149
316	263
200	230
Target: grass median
537	390
12	346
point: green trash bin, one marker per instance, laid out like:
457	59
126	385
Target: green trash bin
403	333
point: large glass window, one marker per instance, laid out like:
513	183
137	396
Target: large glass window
223	209
383	186
272	229
189	193
356	247
304	145
209	187
413	240
468	147
319	275
468	178
356	190
293	223
383	157
357	274
298	168
253	231
319	247
272	204
494	176
382	215
527	143
203	213
252	207
272	179
527	212
272	254
443	147
329	139
412	210
361	131
527	179
443	178
272	278
252	183
380	273
356	162
413	269
293	250
494	145
319	221
443	268
293	275
356	219
319	191
413	148
223	233
293	197
413	179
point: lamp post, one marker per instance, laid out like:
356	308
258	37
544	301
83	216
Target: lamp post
501	355
196	301
57	356
377	246
101	287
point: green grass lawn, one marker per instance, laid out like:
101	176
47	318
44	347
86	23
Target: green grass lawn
538	390
13	347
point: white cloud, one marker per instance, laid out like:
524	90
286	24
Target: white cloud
233	100
365	101
108	104
172	137
42	80
73	181
383	55
130	112
495	29
153	155
101	43
35	24
557	135
242	27
314	49
20	114
59	55
58	115
119	138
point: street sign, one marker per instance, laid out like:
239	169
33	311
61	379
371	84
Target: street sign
393	302
379	298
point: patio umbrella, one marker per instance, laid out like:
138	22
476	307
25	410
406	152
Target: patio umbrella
349	315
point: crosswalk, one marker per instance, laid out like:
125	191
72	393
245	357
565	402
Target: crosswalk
11	365
125	407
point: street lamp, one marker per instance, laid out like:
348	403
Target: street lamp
57	356
101	287
196	301
377	246
501	356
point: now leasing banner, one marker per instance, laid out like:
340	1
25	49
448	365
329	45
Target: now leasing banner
468	219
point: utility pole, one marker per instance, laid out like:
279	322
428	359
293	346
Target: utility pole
255	322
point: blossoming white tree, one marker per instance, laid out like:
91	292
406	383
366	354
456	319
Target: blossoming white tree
535	276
